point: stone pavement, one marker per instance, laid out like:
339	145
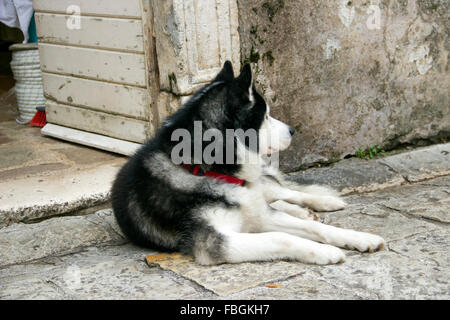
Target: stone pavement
402	197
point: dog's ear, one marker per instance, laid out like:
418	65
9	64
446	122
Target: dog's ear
245	78
226	74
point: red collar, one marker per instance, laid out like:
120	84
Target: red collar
196	171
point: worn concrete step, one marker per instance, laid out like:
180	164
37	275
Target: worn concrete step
38	197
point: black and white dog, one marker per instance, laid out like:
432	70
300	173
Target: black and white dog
227	211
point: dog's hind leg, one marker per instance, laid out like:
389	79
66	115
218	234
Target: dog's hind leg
227	236
245	247
276	221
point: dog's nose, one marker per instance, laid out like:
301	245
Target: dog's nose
291	131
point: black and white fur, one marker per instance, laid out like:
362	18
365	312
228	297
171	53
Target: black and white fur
163	206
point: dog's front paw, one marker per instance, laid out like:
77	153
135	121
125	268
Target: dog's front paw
325	203
312	216
326	254
294	210
365	242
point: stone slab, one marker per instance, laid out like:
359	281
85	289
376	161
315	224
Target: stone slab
226	279
430	247
30	170
306	286
357	175
387	275
30	289
349	176
429	202
427	199
20	243
86	156
392	226
117	272
421	164
14	155
372	213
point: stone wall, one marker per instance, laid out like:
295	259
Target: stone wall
350	73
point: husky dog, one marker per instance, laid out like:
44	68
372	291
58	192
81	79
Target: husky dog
228	212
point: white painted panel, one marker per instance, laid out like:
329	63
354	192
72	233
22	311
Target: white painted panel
98	122
90	139
127	8
114	98
121	67
110	33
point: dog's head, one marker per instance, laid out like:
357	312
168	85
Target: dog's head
227	111
246	109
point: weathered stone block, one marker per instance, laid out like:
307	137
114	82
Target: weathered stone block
349	74
193	40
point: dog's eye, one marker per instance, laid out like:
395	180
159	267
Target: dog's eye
267	117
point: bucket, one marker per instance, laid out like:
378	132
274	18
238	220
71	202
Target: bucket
27	73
